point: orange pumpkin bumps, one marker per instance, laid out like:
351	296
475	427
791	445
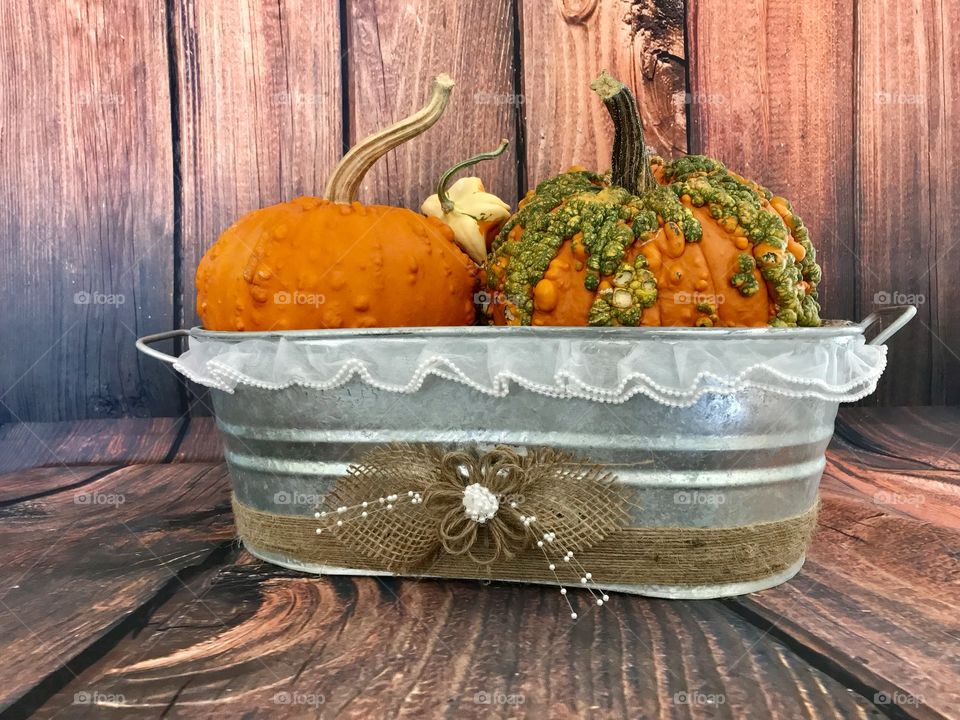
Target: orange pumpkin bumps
334	263
313	263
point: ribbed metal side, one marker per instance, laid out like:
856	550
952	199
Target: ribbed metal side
728	460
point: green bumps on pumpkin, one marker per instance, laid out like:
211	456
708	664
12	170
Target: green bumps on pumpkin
612	220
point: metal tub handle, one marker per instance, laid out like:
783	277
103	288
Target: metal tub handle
147	340
903	313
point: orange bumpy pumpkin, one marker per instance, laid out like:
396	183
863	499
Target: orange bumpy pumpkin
334	263
685	242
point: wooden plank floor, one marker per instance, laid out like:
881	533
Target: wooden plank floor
145	608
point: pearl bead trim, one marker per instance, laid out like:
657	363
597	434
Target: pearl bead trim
232	364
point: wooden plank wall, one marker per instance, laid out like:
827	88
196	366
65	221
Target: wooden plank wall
853	112
86	209
136	131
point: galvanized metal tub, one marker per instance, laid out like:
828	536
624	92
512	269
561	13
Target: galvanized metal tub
728	460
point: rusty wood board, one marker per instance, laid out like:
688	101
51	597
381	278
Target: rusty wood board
906	168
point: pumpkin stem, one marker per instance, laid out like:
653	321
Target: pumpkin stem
630	162
446	203
344	183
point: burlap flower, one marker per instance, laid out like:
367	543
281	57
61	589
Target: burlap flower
404	504
502	475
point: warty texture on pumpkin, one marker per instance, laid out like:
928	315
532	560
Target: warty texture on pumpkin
656	242
312	263
333	262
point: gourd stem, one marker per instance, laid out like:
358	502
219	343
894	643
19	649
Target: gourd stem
344	183
630	164
445	202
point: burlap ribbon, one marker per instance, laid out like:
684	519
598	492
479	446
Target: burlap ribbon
570	497
577	502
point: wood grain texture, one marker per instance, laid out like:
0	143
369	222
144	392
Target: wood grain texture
395	49
258	85
79	561
39	481
945	186
923	437
86	231
770	86
565	45
907	170
926	495
115	442
259	641
878	597
200	443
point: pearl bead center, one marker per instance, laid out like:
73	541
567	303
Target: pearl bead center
479	503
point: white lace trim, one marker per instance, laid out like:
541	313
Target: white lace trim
672	372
